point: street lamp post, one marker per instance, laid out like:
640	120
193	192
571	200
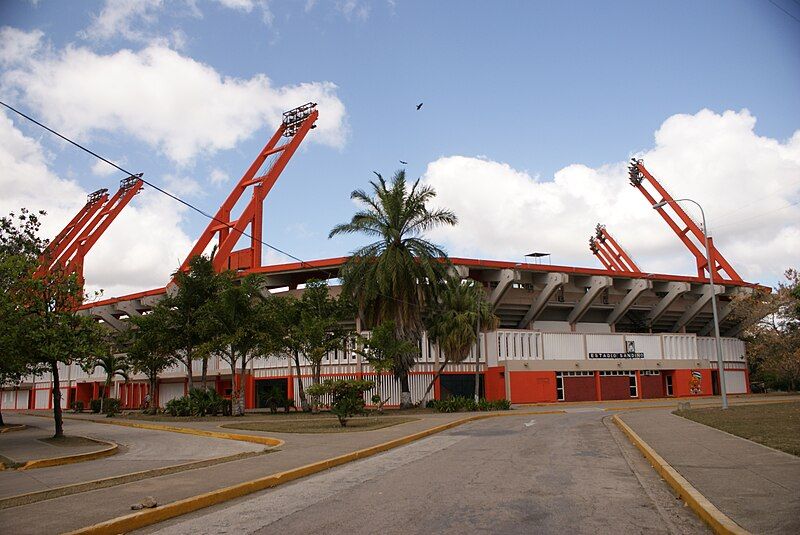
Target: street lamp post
720	370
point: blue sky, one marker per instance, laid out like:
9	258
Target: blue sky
534	85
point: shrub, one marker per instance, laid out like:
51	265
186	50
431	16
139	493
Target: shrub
178	407
112	407
459	403
95	405
199	402
347	396
276	397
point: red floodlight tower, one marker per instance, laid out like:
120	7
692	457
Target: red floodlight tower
69	248
610	252
295	125
684	226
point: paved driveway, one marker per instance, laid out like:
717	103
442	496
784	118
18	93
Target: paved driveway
567	473
141	450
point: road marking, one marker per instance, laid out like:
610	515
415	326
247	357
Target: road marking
528	424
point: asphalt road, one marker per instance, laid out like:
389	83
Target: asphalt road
561	473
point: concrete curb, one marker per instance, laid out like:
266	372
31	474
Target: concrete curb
71	459
148	517
10	428
111	481
255	439
716	519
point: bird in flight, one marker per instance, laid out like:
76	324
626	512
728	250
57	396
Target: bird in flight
419	106
404	163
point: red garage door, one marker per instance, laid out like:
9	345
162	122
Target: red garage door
578	386
652	384
617	385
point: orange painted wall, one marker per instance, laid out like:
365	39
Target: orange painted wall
532	387
681	383
494	383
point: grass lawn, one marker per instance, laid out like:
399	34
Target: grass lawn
279	416
329	424
776	425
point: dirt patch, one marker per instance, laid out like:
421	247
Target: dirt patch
776	425
67	441
320	425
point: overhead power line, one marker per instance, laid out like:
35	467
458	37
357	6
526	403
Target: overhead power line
782	9
154	186
303	263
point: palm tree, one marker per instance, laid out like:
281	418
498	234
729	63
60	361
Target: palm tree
457	318
112	364
395	276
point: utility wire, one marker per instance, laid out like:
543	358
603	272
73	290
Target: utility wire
779	7
302	262
155	187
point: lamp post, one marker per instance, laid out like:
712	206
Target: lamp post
720	370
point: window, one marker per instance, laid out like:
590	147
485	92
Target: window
633	389
668	379
559	386
651	372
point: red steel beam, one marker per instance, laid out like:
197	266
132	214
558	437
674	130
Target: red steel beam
295	125
616	250
684	226
103	213
602	255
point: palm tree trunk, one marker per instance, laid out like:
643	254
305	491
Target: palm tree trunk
438	374
2	423
106	393
204	373
303	401
57	415
405	391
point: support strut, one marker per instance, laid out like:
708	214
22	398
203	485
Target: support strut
610	252
684	226
295	125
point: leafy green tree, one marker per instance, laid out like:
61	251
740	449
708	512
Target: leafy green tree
242	326
113	364
40	321
193	289
456	319
288	311
773	333
148	349
347	396
319	329
382	349
394	277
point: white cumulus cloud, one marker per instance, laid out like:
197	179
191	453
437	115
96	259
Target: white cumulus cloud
172	102
138	251
748	184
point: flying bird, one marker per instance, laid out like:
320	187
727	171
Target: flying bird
419	106
404	163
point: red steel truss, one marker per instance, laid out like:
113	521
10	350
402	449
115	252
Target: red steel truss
68	249
687	230
295	125
610	253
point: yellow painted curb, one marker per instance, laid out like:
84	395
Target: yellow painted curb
716	519
71	459
148	517
10	428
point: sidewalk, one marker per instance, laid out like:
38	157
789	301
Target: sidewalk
757	487
76	511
